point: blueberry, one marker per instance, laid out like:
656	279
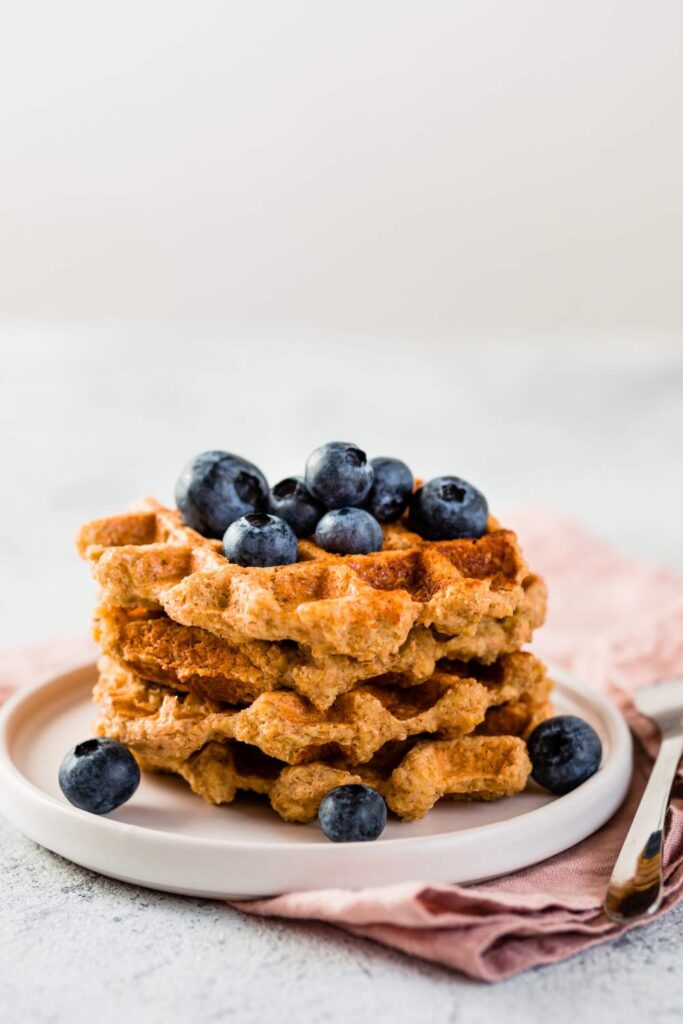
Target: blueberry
99	775
260	539
216	488
352	814
564	752
291	501
446	508
339	474
349	531
391	490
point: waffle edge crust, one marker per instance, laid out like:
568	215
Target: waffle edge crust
191	659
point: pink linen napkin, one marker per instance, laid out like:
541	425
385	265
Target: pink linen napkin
617	625
23	665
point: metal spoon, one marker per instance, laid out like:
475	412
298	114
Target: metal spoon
635	888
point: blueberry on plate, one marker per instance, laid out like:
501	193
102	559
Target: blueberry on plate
349	531
352	814
291	501
260	539
216	488
391	489
339	474
447	508
564	752
99	775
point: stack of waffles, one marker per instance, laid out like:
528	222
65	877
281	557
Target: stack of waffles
400	669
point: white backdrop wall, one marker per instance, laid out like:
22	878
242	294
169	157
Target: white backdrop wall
418	168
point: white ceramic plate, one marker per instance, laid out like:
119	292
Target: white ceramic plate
167	838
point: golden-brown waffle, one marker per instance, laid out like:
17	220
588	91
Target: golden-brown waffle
157	722
192	659
359	606
411	781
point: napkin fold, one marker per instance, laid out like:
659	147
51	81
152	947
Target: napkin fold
617	625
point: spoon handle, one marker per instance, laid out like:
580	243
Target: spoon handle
635	888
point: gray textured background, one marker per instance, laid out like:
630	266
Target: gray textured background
77	948
93	415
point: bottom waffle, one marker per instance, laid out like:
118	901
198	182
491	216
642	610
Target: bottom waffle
283	747
411	781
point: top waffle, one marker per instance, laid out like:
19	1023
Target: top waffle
362	606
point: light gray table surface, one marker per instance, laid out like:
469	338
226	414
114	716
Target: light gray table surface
92	415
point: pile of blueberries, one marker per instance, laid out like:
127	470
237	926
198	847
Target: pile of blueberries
340	502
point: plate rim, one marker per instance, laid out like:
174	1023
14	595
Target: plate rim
613	770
